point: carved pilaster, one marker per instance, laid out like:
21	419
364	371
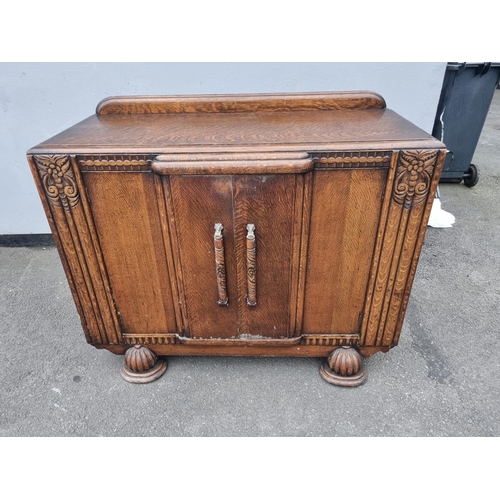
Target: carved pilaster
411	187
60	184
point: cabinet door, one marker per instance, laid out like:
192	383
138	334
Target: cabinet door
267	203
200	202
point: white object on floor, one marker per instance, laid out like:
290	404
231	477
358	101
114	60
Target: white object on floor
439	217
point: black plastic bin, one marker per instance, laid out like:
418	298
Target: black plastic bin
465	99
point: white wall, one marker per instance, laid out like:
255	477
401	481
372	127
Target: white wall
38	100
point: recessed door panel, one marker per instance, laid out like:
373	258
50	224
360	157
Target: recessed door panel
125	211
346	207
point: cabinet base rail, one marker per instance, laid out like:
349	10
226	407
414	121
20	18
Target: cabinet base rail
303	346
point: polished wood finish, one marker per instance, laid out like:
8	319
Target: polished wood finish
276	225
241	103
129	230
267	202
232	164
345	214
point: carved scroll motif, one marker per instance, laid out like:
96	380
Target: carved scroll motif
58	180
251	267
220	265
413	177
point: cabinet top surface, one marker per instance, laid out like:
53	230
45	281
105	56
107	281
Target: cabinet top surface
260	121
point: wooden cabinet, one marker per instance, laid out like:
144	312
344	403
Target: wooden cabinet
276	225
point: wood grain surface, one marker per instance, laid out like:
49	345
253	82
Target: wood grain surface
129	228
239	103
235	201
243	132
267	202
199	202
345	215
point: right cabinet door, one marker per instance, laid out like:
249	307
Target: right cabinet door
267	266
345	213
240	230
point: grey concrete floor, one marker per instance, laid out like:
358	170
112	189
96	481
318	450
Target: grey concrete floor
442	380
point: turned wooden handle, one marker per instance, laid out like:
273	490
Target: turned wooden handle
220	265
251	266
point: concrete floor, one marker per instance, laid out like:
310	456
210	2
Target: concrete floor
442	380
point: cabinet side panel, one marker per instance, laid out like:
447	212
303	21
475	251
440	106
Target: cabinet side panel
345	214
129	229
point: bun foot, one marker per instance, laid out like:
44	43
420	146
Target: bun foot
344	367
142	366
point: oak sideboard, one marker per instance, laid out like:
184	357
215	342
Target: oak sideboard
246	225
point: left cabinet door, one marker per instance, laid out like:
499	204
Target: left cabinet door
200	202
127	211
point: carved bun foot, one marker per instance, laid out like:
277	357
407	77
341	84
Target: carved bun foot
344	367
142	366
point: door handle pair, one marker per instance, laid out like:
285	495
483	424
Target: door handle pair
220	265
